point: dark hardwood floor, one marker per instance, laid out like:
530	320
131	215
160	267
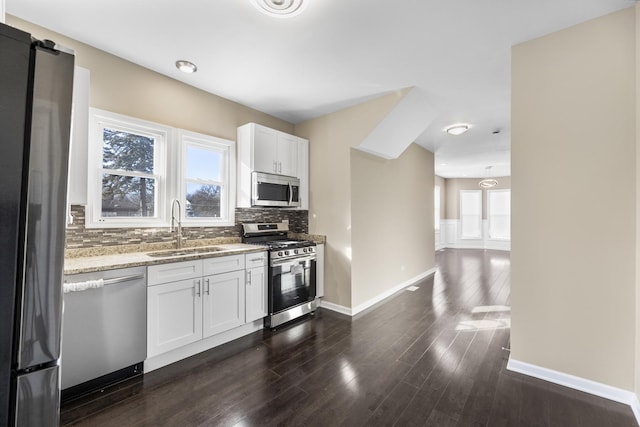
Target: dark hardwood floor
435	356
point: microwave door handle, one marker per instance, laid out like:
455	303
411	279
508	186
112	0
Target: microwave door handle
290	195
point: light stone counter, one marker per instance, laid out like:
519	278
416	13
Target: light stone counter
108	258
318	239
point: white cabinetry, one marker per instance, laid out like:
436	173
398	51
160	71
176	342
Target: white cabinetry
192	300
256	286
77	190
303	172
273	151
223	302
263	149
174	316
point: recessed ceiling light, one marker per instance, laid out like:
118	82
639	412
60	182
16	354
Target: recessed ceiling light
186	66
457	129
280	8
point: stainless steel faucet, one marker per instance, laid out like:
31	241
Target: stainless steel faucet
179	221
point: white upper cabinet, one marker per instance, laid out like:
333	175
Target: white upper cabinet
77	188
262	149
273	151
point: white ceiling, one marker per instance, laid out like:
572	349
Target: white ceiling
335	54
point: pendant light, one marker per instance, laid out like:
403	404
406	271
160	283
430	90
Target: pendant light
488	182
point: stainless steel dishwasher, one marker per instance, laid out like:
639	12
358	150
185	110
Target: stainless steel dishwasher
104	330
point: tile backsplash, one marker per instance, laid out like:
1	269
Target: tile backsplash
77	236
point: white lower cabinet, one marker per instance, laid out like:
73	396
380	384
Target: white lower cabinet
223	302
191	301
256	286
174	316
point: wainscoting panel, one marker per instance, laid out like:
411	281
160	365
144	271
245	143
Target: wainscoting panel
449	237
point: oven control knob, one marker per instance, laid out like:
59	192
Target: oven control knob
286	252
280	253
304	250
295	251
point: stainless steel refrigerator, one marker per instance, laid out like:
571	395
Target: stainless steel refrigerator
35	113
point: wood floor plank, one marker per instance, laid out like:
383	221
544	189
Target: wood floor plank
433	356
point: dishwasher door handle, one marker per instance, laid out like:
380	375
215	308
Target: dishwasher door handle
122	279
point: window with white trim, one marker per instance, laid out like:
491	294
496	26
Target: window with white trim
132	182
436	207
127	171
205	186
499	214
470	214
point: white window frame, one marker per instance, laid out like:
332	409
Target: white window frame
489	215
227	174
436	207
169	165
100	119
462	216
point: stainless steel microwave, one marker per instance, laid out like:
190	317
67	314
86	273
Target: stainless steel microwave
274	190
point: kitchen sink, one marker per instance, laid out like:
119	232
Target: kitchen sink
183	252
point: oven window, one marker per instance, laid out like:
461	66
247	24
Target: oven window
292	285
273	192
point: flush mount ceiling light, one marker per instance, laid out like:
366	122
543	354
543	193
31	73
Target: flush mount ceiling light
488	182
279	8
457	129
186	66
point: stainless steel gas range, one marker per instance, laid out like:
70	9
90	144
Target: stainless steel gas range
292	271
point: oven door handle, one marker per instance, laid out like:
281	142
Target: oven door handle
293	260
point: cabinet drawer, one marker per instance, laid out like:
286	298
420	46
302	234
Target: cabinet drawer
257	259
222	264
173	272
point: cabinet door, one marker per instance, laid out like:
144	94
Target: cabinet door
303	173
223	303
174	313
265	149
256	293
287	154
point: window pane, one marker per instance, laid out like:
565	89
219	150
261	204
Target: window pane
203	200
127	196
471	214
127	151
203	164
500	214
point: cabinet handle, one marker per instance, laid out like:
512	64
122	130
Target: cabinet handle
206	282
249	277
279	167
256	259
198	288
275	166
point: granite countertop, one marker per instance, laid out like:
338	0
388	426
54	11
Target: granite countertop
123	257
88	260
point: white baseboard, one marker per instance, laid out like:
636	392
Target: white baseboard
577	383
335	307
353	311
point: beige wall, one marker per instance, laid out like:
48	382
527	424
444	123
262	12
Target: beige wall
443	195
120	86
332	138
454	185
637	322
573	233
394	198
